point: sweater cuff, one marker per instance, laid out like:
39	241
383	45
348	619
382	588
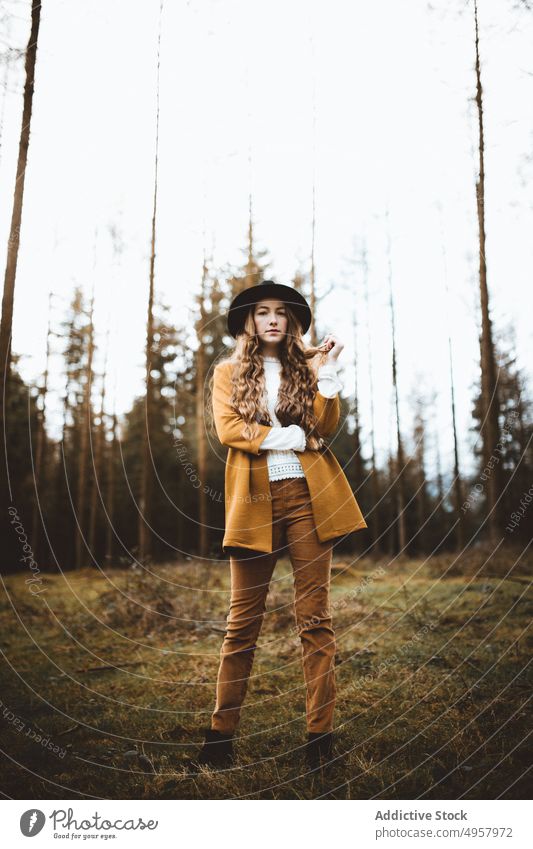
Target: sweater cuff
329	382
287	438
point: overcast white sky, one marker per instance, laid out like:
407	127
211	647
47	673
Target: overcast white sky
395	129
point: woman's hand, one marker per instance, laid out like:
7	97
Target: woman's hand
333	346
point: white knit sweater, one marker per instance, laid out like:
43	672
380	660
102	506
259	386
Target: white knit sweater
281	443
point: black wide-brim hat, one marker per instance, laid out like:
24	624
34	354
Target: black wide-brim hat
242	302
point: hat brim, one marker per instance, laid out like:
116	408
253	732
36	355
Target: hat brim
242	302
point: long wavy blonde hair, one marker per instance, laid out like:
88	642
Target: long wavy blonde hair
298	381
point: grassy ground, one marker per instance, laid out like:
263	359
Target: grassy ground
117	673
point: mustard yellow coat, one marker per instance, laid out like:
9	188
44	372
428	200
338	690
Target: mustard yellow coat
247	488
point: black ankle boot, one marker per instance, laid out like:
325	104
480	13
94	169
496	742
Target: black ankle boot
319	749
216	752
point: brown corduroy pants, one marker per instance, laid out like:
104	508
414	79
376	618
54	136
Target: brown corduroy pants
292	526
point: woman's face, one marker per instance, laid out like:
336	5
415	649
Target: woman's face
270	317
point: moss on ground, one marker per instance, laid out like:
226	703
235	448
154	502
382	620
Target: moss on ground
117	672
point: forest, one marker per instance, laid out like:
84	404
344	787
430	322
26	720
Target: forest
115	582
146	484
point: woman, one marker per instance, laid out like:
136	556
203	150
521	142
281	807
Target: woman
274	400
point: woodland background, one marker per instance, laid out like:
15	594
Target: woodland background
147	483
115	588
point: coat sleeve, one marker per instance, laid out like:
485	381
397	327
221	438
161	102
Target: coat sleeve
328	412
228	424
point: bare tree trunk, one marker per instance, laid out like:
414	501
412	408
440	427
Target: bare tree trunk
61	461
312	284
203	542
146	471
419	465
392	526
86	428
374	489
457	481
8	298
358	460
41	437
438	464
489	387
145	505
110	499
358	466
98	460
251	276
400	457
